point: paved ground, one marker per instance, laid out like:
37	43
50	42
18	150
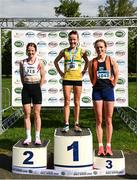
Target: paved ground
6	162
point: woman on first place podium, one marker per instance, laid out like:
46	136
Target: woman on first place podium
103	73
72	77
32	75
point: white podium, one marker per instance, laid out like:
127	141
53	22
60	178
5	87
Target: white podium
29	159
110	165
73	151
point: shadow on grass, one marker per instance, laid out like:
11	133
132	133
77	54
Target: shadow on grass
5	162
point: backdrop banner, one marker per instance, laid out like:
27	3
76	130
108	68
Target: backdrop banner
49	44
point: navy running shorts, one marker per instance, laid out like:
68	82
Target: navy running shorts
106	94
31	93
71	83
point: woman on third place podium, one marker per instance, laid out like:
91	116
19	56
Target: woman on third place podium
72	77
32	77
103	73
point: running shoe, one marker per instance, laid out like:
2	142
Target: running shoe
65	128
108	151
27	141
77	128
101	151
37	142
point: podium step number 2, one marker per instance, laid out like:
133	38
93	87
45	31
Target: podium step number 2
31	158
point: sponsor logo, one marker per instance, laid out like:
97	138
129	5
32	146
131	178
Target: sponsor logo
63	34
53	44
53	81
18	99
18	35
41	35
86	99
17	62
85	44
52	72
120	43
30	34
88	52
97	34
52	53
41	53
120	62
17	72
43	90
61	99
120	33
110	43
121	100
19	53
44	62
86	34
19	43
53	90
120	53
86	81
18	90
52	35
109	53
108	34
60	81
121	81
86	90
52	99
17	81
61	62
64	44
41	44
120	90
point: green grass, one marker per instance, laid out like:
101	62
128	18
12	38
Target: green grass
123	138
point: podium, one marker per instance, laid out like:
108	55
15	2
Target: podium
73	157
110	165
73	151
29	159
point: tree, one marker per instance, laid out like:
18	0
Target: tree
6	53
117	8
68	8
122	8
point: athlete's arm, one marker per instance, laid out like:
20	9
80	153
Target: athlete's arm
61	54
21	71
90	71
115	68
42	73
86	61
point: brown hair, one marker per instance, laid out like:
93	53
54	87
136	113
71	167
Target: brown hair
100	40
73	32
32	45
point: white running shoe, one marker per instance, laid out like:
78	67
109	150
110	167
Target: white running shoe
65	128
38	142
27	141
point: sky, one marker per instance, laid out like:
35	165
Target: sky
44	8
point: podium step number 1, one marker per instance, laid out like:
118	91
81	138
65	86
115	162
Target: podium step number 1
73	150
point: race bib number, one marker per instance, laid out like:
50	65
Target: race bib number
72	66
103	74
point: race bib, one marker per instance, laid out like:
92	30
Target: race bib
103	74
72	66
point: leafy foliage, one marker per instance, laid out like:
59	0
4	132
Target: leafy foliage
68	8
